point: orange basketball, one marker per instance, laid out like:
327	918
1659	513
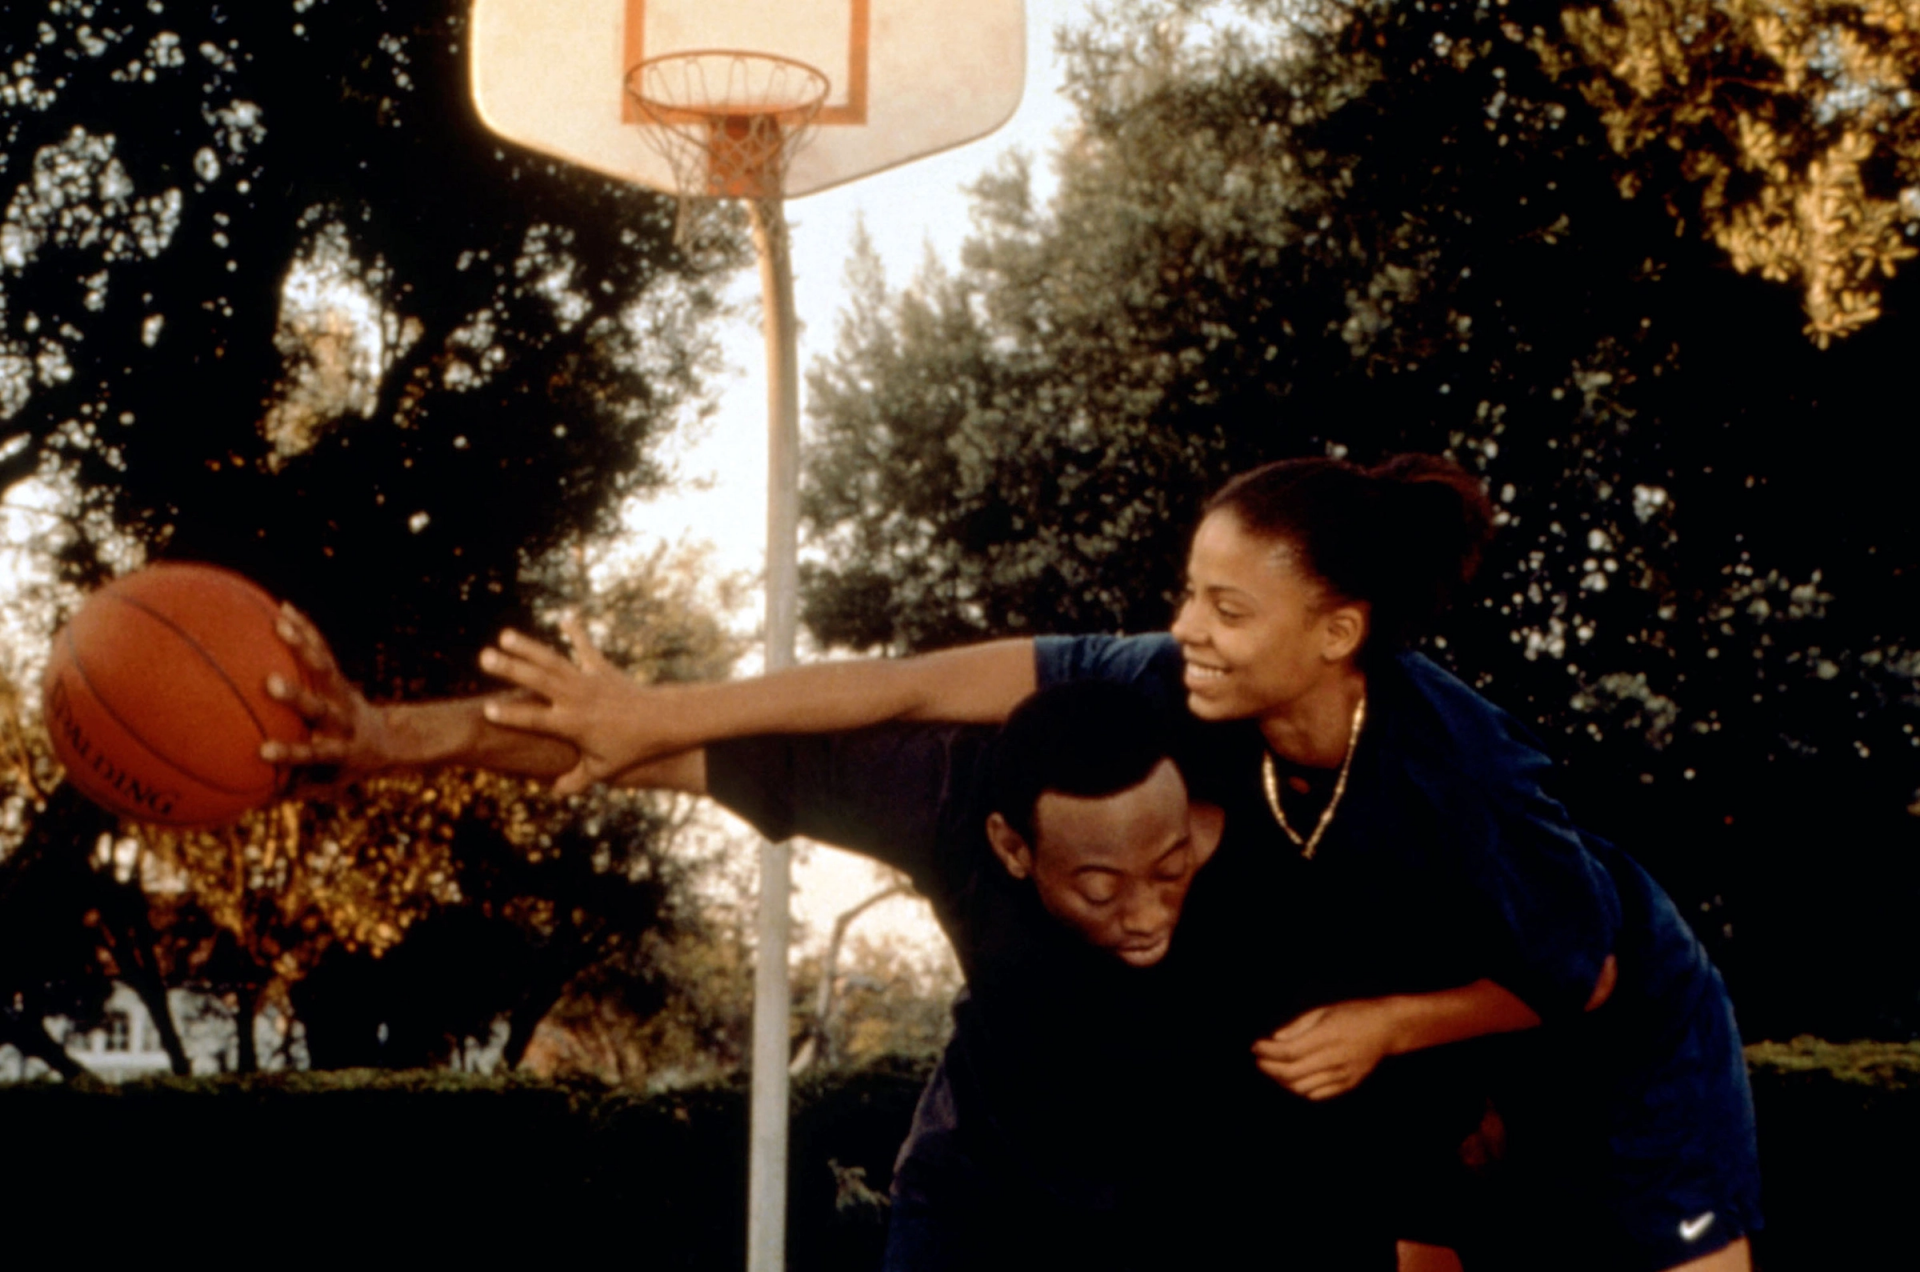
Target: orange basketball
156	696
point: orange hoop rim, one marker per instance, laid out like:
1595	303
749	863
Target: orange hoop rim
786	113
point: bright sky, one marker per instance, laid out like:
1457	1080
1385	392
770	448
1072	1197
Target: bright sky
908	211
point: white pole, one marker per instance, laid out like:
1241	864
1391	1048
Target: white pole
767	1153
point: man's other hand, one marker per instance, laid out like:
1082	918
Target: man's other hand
347	736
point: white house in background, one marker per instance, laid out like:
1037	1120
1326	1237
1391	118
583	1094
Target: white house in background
127	1045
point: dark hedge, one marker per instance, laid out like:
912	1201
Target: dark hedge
360	1162
1839	1152
366	1161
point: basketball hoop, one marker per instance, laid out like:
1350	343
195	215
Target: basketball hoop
726	121
723	94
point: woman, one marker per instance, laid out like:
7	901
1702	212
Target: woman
1397	838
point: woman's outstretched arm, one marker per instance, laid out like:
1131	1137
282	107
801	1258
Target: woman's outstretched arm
616	722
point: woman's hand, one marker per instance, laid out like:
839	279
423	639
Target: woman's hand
347	738
1330	1050
587	701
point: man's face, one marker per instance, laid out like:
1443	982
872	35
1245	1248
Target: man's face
1116	868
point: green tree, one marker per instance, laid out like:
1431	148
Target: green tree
272	296
400	921
275	297
73	913
1363	228
1792	124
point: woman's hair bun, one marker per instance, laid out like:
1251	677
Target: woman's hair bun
1403	536
1442	509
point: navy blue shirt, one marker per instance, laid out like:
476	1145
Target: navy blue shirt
1075	1077
1446	861
1053	1034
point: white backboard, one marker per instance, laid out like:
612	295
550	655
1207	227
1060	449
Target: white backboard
907	78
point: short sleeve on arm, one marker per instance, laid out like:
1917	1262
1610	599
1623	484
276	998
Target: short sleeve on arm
1546	907
880	792
1151	664
1556	910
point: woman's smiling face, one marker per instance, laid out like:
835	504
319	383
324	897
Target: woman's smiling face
1257	630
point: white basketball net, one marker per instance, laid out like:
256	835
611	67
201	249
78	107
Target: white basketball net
726	122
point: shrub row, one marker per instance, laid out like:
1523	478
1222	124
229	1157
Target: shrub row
362	1159
366	1160
1839	1152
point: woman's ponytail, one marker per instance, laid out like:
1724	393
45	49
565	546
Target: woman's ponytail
1445	520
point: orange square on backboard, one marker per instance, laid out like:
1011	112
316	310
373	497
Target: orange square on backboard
828	35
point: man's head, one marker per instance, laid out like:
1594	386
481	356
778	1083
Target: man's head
1089	804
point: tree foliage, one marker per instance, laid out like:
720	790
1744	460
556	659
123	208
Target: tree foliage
272	296
399	921
73	915
404	922
1793	125
1364	228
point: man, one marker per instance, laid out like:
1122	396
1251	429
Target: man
1057	858
1088	1111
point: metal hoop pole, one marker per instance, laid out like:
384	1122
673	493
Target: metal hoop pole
726	144
767	1159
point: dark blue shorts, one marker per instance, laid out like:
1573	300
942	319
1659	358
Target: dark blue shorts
1683	1167
1660	1169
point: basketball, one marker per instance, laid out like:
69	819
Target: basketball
155	696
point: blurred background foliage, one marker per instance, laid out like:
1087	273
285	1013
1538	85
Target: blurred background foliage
1644	268
1792	125
271	296
276	298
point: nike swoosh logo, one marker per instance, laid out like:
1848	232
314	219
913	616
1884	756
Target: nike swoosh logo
1690	1229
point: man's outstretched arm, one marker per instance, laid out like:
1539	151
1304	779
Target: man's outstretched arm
354	738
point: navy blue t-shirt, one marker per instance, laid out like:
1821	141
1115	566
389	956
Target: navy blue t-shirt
1095	1087
1447	861
1053	1035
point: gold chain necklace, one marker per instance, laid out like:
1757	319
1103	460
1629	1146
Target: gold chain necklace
1271	780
